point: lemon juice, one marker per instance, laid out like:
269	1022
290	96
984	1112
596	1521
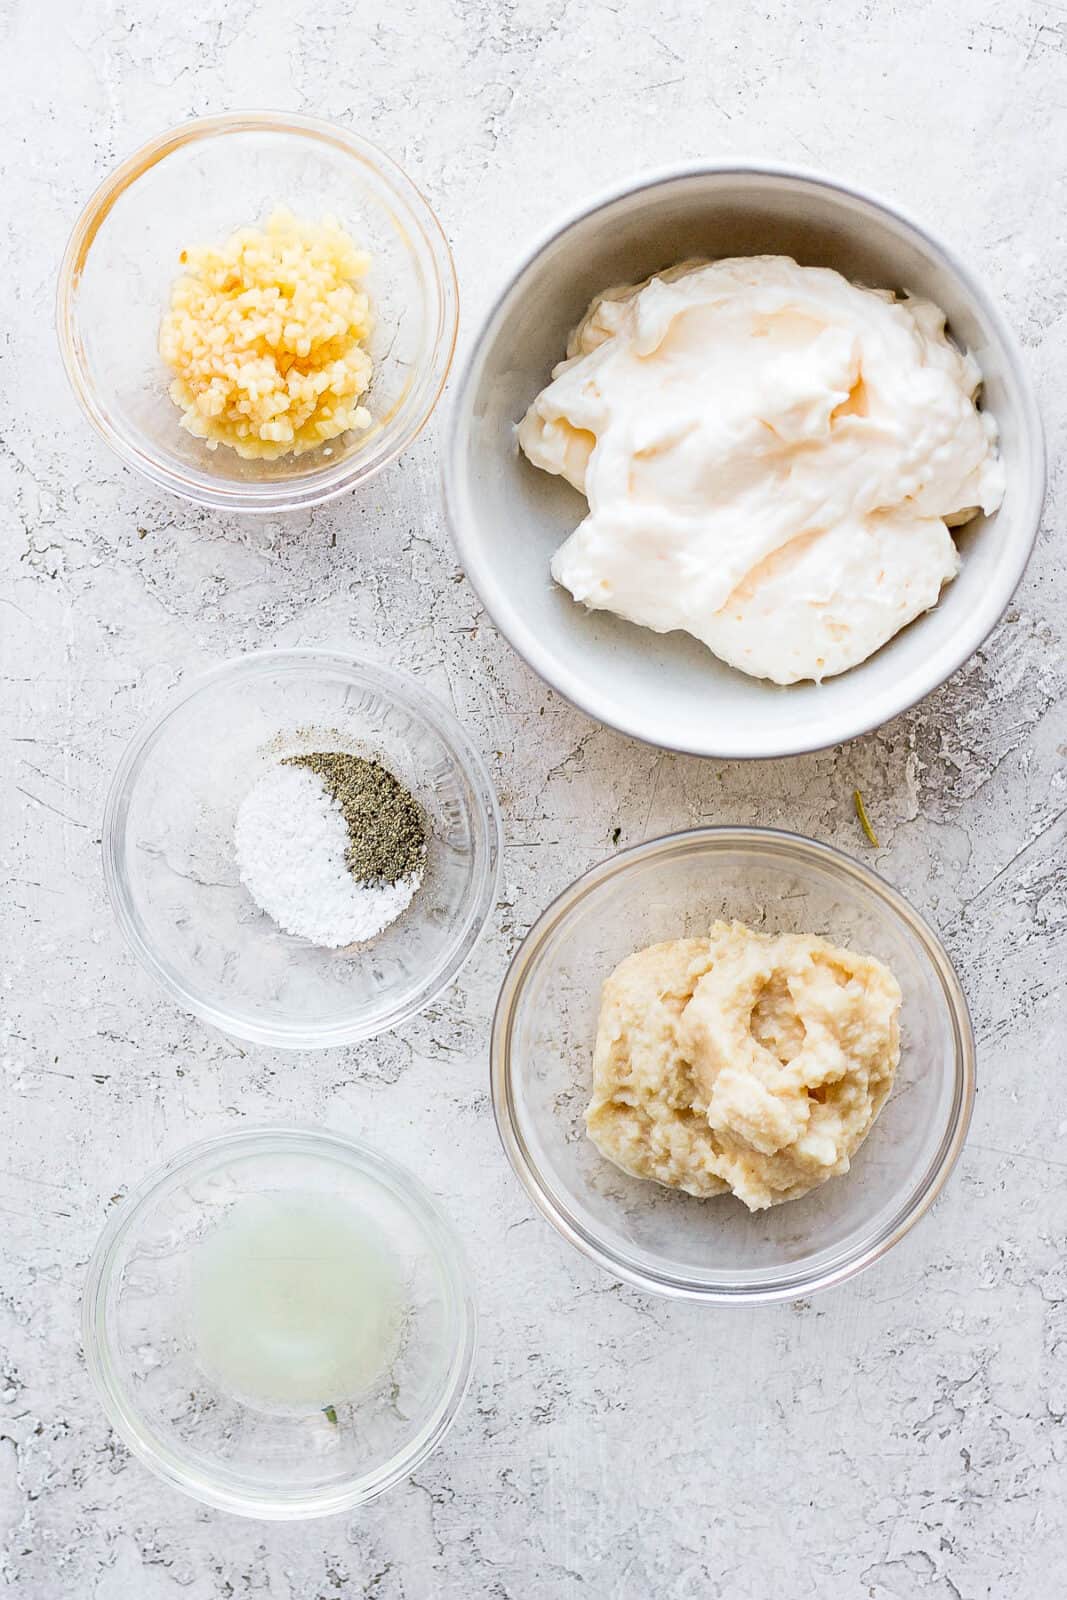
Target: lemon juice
294	1302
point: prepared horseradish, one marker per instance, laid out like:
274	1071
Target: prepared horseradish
266	336
331	846
743	1062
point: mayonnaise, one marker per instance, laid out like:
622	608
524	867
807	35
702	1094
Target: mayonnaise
772	456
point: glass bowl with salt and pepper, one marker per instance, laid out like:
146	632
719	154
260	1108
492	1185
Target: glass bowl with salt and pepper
302	847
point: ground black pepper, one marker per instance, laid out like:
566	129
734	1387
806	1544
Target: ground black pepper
386	832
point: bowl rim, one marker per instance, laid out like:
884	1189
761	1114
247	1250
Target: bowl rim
793	1283
417	701
168	1463
526	644
317	485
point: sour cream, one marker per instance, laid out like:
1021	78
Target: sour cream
773	458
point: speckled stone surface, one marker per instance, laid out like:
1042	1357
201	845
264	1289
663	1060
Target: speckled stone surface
900	1437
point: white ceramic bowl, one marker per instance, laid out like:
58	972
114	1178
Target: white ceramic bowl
508	518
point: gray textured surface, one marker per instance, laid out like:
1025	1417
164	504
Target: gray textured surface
902	1436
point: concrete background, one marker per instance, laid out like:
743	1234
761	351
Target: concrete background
902	1436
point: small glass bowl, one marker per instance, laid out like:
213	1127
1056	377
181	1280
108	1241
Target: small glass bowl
714	1250
141	1351
169	858
194	185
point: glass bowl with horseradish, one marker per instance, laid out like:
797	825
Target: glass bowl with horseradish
279	1322
732	1065
257	310
302	847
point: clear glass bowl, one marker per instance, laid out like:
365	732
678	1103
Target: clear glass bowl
714	1250
169	860
194	185
142	1355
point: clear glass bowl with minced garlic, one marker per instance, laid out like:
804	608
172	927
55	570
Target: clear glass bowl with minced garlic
173	875
172	208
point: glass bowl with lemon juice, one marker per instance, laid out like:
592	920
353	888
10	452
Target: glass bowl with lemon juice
279	1323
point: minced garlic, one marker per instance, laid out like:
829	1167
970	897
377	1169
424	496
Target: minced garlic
265	337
